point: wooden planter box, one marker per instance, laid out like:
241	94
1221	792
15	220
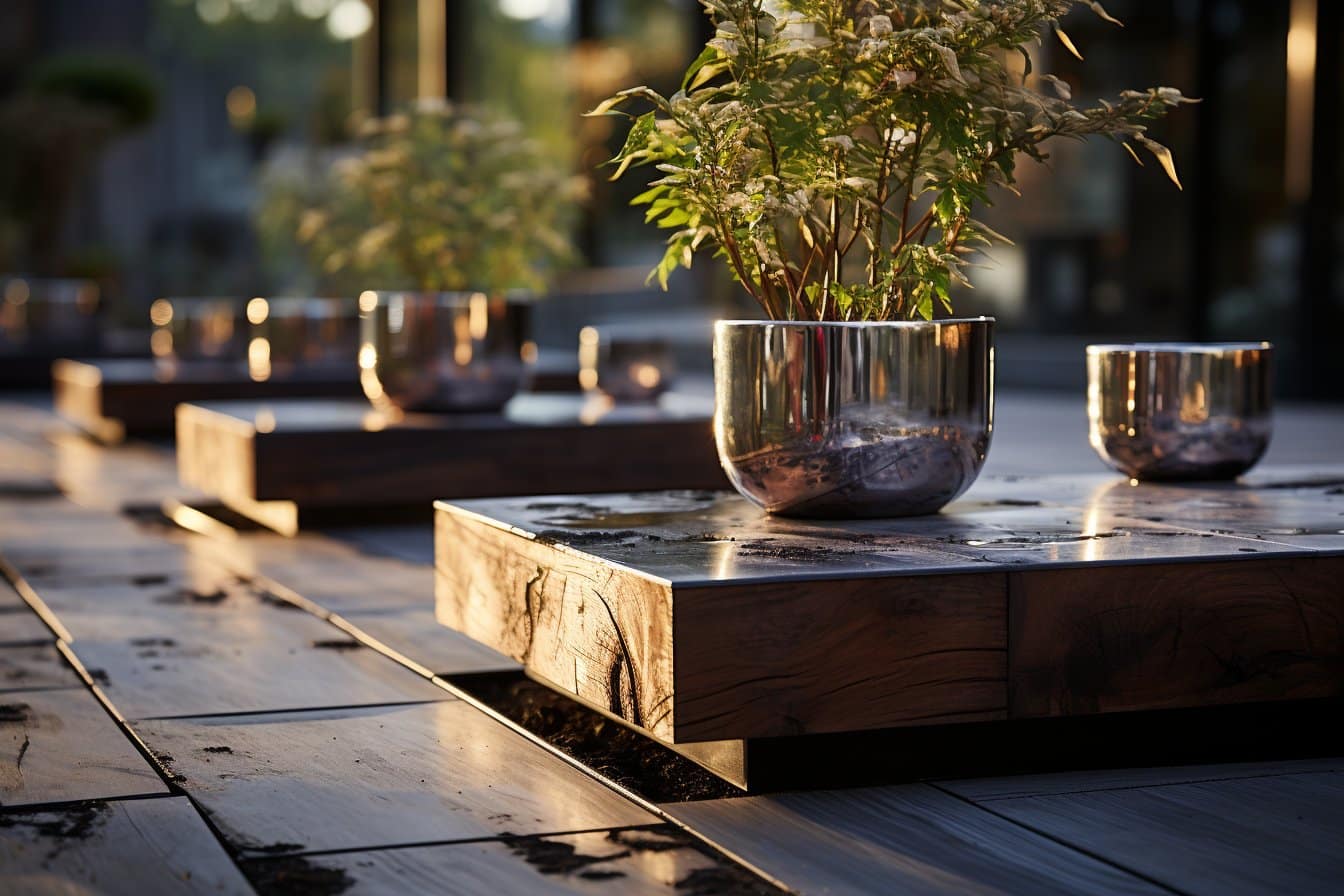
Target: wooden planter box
280	461
113	399
699	619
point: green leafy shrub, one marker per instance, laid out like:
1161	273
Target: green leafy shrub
445	198
833	151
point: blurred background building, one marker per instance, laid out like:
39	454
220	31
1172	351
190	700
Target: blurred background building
153	145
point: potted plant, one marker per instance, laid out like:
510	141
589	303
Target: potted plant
833	152
457	218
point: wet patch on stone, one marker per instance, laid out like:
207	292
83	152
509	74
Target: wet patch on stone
296	876
38	490
15	712
558	857
191	596
337	644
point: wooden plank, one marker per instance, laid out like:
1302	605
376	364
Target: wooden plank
930	650
20	626
603	634
363	778
1195	634
152	566
110	399
988	789
30	668
1279	834
9	598
61	745
300	664
909	839
634	861
273	461
417	636
117	848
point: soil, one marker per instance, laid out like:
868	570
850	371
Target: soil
606	746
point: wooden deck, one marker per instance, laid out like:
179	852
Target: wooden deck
191	713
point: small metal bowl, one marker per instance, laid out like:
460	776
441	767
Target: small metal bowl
41	313
625	368
449	351
202	331
1180	411
298	338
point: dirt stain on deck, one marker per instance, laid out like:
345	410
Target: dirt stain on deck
296	876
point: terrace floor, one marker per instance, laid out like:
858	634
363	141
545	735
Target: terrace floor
184	713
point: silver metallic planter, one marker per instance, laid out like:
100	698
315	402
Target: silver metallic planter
199	330
300	337
454	351
853	420
43	313
1180	411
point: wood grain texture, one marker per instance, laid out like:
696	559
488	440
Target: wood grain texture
1193	634
61	745
331	454
25	668
813	657
599	632
116	848
1262	835
639	862
911	839
778	627
350	779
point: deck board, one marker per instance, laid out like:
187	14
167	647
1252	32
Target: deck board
353	779
983	790
631	862
61	745
300	664
910	839
21	626
30	668
417	635
115	848
1258	835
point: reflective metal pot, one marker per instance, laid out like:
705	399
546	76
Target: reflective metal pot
199	331
849	420
295	337
1180	411
38	312
459	351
